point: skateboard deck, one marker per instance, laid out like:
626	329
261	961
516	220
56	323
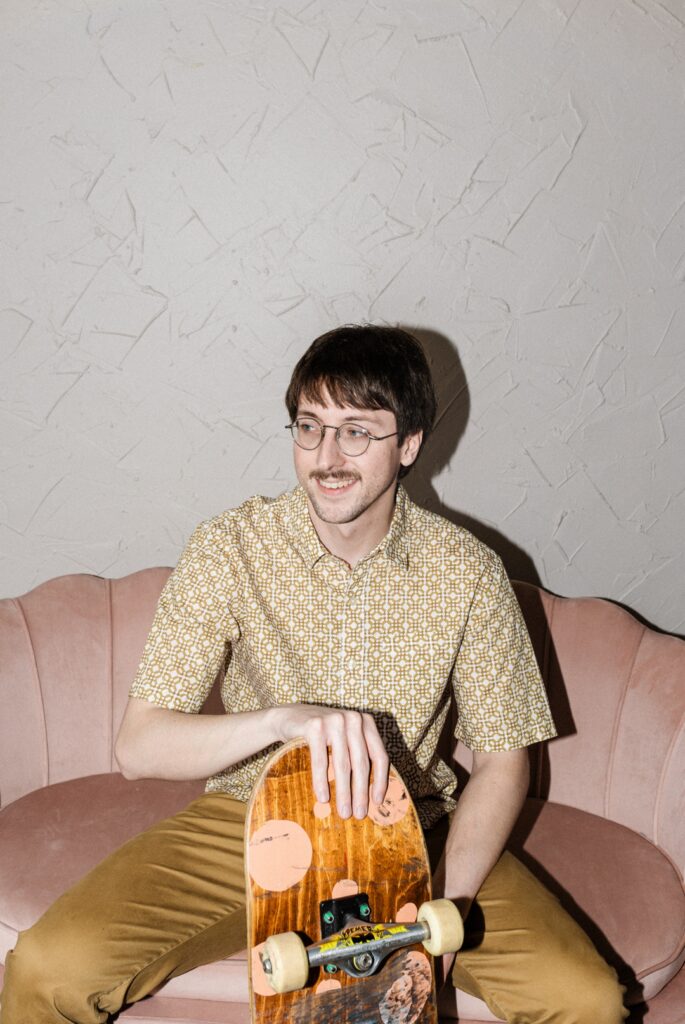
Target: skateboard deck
299	853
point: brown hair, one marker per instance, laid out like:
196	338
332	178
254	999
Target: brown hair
368	367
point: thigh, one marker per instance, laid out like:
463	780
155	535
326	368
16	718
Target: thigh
165	902
528	959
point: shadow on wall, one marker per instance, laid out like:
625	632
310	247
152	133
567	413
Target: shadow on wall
453	414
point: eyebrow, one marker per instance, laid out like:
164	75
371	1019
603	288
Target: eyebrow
347	419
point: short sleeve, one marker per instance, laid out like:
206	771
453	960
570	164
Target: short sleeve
500	696
192	626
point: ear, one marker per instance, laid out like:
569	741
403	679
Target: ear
410	447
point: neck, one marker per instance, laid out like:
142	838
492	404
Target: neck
353	541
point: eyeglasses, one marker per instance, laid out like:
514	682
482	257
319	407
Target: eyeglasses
351	439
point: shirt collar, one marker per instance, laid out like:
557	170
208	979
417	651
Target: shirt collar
395	544
303	536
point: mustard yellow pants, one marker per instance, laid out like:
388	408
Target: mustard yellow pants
173	898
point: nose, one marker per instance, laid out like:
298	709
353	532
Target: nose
328	452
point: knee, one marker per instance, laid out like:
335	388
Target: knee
25	985
33	964
589	994
41	983
602	1001
27	962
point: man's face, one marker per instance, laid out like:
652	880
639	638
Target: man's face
343	488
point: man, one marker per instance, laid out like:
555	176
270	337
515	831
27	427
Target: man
345	614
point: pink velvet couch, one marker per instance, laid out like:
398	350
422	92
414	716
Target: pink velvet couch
604	826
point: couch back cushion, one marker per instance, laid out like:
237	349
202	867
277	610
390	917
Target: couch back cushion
71	646
70	649
617	691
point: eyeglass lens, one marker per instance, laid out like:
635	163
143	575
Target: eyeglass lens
352	439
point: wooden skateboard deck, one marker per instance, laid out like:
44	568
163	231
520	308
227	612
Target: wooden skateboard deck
298	853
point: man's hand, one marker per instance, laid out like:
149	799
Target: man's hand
357	753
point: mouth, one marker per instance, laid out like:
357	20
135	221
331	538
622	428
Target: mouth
334	486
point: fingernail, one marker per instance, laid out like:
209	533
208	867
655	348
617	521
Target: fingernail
345	811
359	811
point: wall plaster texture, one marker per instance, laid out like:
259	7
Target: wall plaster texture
191	190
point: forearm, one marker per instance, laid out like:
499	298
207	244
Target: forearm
156	742
481	824
159	743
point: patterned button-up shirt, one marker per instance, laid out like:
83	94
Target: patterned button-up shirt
426	623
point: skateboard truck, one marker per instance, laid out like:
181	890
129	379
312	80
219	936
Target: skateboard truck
356	945
336	914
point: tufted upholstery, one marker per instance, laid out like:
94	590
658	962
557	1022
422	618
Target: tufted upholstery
70	649
608	835
618	693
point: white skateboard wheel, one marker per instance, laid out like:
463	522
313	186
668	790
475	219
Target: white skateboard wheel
445	924
289	964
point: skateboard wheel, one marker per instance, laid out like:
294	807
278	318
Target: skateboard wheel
445	924
287	955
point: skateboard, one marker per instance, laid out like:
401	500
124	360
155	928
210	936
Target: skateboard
341	925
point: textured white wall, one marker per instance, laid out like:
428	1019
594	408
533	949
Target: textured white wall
192	190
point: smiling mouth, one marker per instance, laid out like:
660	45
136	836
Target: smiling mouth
334	486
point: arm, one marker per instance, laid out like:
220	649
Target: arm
162	736
501	703
157	742
480	826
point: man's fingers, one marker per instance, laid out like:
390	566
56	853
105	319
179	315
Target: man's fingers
331	728
318	750
341	771
360	763
356	750
380	762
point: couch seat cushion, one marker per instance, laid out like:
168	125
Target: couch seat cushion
624	891
52	837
